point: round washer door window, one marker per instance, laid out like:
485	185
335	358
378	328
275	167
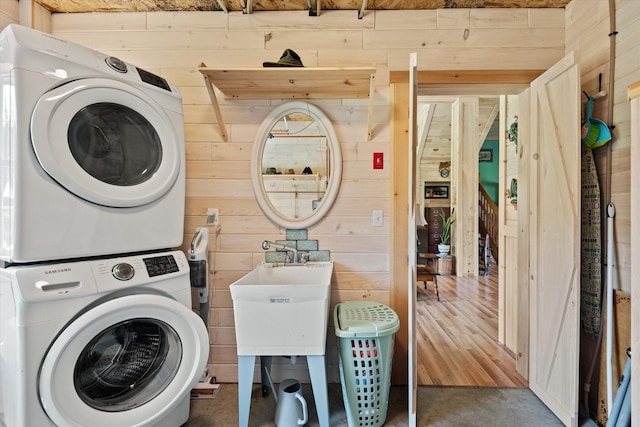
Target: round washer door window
128	361
106	142
127	364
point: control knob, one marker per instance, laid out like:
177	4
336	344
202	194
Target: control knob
123	271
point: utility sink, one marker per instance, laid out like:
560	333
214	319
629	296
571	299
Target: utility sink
282	309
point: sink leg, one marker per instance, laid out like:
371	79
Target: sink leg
265	365
318	373
245	381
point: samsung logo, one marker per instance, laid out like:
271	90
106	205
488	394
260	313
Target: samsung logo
279	300
58	270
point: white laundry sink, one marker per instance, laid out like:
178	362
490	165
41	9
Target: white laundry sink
282	309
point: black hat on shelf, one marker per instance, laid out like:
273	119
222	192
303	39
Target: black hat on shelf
288	59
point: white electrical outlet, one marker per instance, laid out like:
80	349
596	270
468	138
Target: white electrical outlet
212	216
377	218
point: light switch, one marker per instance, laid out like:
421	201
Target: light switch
377	218
212	216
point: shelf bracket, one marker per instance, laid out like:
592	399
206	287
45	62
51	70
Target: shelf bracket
362	9
372	91
216	109
310	7
223	7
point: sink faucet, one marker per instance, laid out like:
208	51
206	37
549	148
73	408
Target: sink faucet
267	244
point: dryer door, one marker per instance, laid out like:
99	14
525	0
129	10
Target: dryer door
129	361
107	142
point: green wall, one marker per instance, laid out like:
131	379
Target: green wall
489	170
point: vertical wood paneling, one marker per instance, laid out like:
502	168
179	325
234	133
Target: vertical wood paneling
635	252
628	71
464	153
522	355
508	261
172	44
399	205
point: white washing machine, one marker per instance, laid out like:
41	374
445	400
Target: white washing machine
111	342
92	153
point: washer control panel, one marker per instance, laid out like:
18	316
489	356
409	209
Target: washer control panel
159	265
116	63
138	270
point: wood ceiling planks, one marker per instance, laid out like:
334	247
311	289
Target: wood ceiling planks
69	6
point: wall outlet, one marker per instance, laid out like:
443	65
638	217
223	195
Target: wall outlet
212	216
377	218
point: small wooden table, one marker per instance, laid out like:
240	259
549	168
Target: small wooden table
429	271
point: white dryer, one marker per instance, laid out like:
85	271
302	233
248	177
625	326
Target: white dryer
99	343
91	153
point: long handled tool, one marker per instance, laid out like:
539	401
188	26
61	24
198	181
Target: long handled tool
611	213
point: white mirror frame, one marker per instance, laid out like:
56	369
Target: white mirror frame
256	165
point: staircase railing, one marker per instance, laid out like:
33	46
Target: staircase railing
488	217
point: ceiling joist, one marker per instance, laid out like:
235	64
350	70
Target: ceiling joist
71	6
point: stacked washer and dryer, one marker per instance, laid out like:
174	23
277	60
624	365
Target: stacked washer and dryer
96	326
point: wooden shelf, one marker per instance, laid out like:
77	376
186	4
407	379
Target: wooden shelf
291	82
288	83
634	90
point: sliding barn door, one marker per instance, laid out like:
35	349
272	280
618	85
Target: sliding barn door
554	191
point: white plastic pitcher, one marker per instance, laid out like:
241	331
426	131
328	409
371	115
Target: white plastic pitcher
291	409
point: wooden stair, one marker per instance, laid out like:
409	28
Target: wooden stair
488	220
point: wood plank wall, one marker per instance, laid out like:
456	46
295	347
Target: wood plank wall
173	44
588	28
9	12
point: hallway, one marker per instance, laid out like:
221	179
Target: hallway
457	336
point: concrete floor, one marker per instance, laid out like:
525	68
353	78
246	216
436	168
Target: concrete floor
437	406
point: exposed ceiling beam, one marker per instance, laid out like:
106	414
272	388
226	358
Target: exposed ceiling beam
70	6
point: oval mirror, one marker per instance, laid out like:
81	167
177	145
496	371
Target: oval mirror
296	165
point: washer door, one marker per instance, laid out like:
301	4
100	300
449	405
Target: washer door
106	142
129	361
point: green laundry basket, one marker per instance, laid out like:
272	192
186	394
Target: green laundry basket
365	349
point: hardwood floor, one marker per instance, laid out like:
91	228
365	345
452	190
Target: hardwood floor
457	336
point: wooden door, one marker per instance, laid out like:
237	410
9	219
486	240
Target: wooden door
522	266
411	237
634	95
554	196
511	106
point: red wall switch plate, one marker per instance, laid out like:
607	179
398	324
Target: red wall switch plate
378	160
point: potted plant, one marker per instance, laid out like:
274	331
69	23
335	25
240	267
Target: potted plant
445	238
513	192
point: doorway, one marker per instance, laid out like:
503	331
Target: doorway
457	320
555	144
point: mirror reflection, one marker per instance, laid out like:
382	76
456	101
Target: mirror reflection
296	165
